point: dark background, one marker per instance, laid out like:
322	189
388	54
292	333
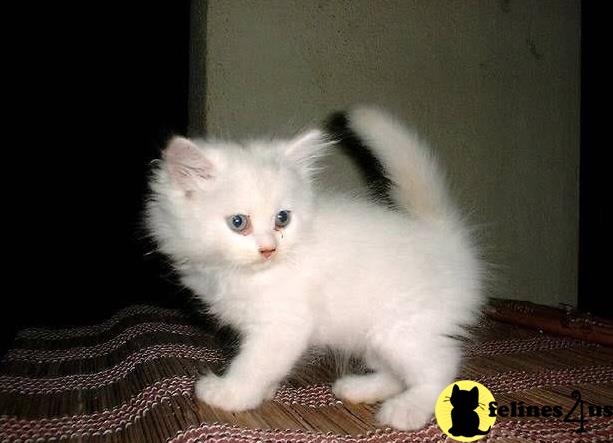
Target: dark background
594	185
95	91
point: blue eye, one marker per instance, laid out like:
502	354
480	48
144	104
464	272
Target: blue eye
282	219
238	222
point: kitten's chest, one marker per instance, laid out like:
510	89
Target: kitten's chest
245	300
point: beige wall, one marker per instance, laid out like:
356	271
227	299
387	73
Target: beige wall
494	85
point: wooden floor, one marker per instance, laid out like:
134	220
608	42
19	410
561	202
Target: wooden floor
131	379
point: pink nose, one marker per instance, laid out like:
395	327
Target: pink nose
267	253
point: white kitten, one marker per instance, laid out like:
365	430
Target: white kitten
290	269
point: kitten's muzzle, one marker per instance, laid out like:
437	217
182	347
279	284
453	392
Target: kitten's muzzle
267	253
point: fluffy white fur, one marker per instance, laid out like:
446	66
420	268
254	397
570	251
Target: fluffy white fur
391	286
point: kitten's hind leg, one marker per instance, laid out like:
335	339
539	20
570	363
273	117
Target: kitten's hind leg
411	409
427	367
367	388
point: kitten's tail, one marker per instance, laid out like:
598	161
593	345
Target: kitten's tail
407	170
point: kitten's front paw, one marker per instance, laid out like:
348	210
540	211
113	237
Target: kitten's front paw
227	394
403	414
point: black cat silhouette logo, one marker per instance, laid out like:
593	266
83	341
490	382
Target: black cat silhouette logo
461	411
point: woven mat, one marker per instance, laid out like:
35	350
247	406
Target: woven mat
131	379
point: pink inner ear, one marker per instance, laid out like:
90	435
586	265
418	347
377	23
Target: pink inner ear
186	163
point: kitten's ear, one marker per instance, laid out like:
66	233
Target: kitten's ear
456	388
186	164
305	149
474	391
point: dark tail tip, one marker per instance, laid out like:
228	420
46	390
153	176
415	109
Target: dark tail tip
337	126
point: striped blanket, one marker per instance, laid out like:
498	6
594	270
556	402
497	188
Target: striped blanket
131	379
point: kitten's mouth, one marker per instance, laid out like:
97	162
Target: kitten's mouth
268	260
264	262
268	254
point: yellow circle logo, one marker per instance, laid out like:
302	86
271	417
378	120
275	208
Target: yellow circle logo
462	411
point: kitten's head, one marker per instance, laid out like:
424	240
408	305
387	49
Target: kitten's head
229	204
